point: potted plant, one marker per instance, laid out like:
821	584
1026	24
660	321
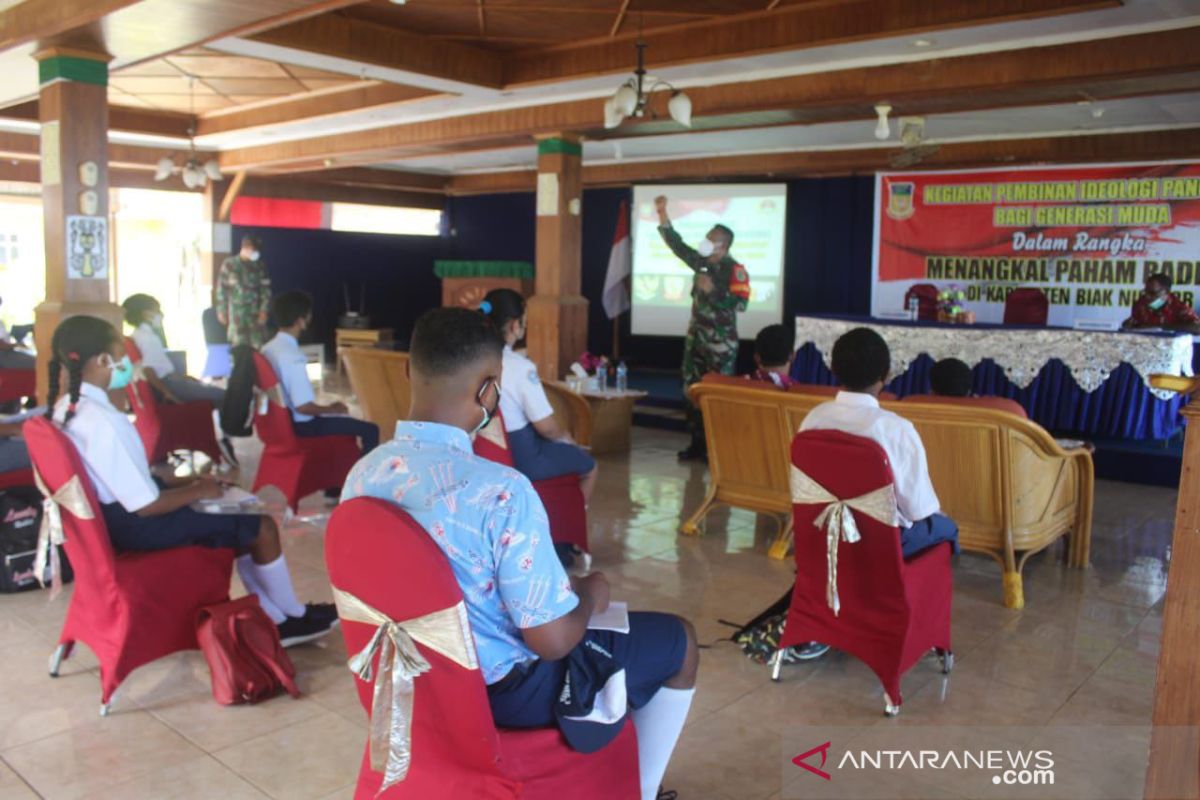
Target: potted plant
950	306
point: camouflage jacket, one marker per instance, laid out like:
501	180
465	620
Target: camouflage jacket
243	293
714	314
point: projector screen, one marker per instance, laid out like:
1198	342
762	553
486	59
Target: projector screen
662	284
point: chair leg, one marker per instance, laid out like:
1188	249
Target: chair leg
692	526
890	709
947	657
776	664
60	654
1014	590
783	543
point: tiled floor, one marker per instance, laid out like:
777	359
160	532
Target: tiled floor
1083	652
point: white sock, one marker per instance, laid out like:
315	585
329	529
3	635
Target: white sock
245	568
276	583
658	725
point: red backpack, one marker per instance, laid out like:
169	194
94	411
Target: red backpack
244	654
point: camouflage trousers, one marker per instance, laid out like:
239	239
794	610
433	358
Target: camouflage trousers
700	357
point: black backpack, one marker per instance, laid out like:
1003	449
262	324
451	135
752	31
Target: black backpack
20	521
237	412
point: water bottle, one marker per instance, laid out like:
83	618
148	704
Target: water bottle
622	378
914	306
602	378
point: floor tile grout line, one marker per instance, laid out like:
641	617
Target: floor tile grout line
21	777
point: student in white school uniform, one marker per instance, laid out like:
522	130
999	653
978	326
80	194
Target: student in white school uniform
540	448
144	314
293	314
861	362
142	513
10	356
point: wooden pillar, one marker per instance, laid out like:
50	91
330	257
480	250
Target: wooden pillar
73	110
557	311
1174	769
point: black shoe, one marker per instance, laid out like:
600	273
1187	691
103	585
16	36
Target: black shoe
693	453
321	610
804	652
226	448
298	630
667	794
333	496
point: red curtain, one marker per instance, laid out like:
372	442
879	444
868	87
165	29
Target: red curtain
274	213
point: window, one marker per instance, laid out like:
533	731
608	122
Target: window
386	219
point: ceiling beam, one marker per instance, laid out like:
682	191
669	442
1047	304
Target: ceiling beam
31	20
313	105
377	45
1145	145
26	147
1101	69
787	28
120	118
291	188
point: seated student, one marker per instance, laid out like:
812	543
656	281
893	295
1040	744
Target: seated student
293	313
144	314
951	377
540	448
773	356
861	361
138	512
528	619
13	453
1159	307
10	356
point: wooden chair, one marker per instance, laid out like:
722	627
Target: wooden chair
380	381
572	411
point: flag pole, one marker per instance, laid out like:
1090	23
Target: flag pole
616	344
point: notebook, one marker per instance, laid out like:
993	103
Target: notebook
615	618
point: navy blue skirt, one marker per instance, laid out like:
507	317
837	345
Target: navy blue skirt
180	528
539	458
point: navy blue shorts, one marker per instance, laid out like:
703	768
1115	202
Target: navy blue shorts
651	653
180	528
539	458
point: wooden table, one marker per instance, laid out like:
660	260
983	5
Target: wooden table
359	337
612	419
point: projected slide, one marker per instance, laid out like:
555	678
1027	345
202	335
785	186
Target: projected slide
662	284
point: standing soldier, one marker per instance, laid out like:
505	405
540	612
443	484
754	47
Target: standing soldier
243	295
720	290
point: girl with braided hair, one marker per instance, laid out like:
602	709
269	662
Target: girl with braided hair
142	512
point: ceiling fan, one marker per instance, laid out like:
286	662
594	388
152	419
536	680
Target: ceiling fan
912	138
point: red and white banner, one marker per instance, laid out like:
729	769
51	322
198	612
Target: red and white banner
1086	235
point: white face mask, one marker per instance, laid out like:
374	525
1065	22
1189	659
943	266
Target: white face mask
156	320
705	248
254	256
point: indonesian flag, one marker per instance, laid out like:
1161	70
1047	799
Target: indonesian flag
616	280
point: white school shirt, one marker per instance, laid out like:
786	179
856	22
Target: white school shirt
522	398
860	415
111	450
291	367
154	354
4	337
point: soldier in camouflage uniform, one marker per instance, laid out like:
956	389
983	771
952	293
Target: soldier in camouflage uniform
243	295
720	290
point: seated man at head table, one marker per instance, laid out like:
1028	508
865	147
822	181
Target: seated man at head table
773	356
861	362
1159	307
529	620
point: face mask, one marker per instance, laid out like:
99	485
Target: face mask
487	413
705	248
1159	303
254	256
122	373
156	320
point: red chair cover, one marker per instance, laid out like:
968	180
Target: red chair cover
167	427
297	465
998	403
892	611
561	496
1028	306
132	608
926	294
18	477
16	384
377	553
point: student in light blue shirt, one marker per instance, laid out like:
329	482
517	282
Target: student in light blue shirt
528	618
293	314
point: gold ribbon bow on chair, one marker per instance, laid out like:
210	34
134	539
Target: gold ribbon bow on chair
837	519
73	498
447	632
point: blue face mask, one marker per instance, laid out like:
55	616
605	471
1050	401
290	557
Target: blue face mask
1157	304
121	375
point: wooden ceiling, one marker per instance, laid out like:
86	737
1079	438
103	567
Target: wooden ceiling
320	90
200	80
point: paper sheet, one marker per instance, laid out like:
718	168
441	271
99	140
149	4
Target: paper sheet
615	618
235	501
